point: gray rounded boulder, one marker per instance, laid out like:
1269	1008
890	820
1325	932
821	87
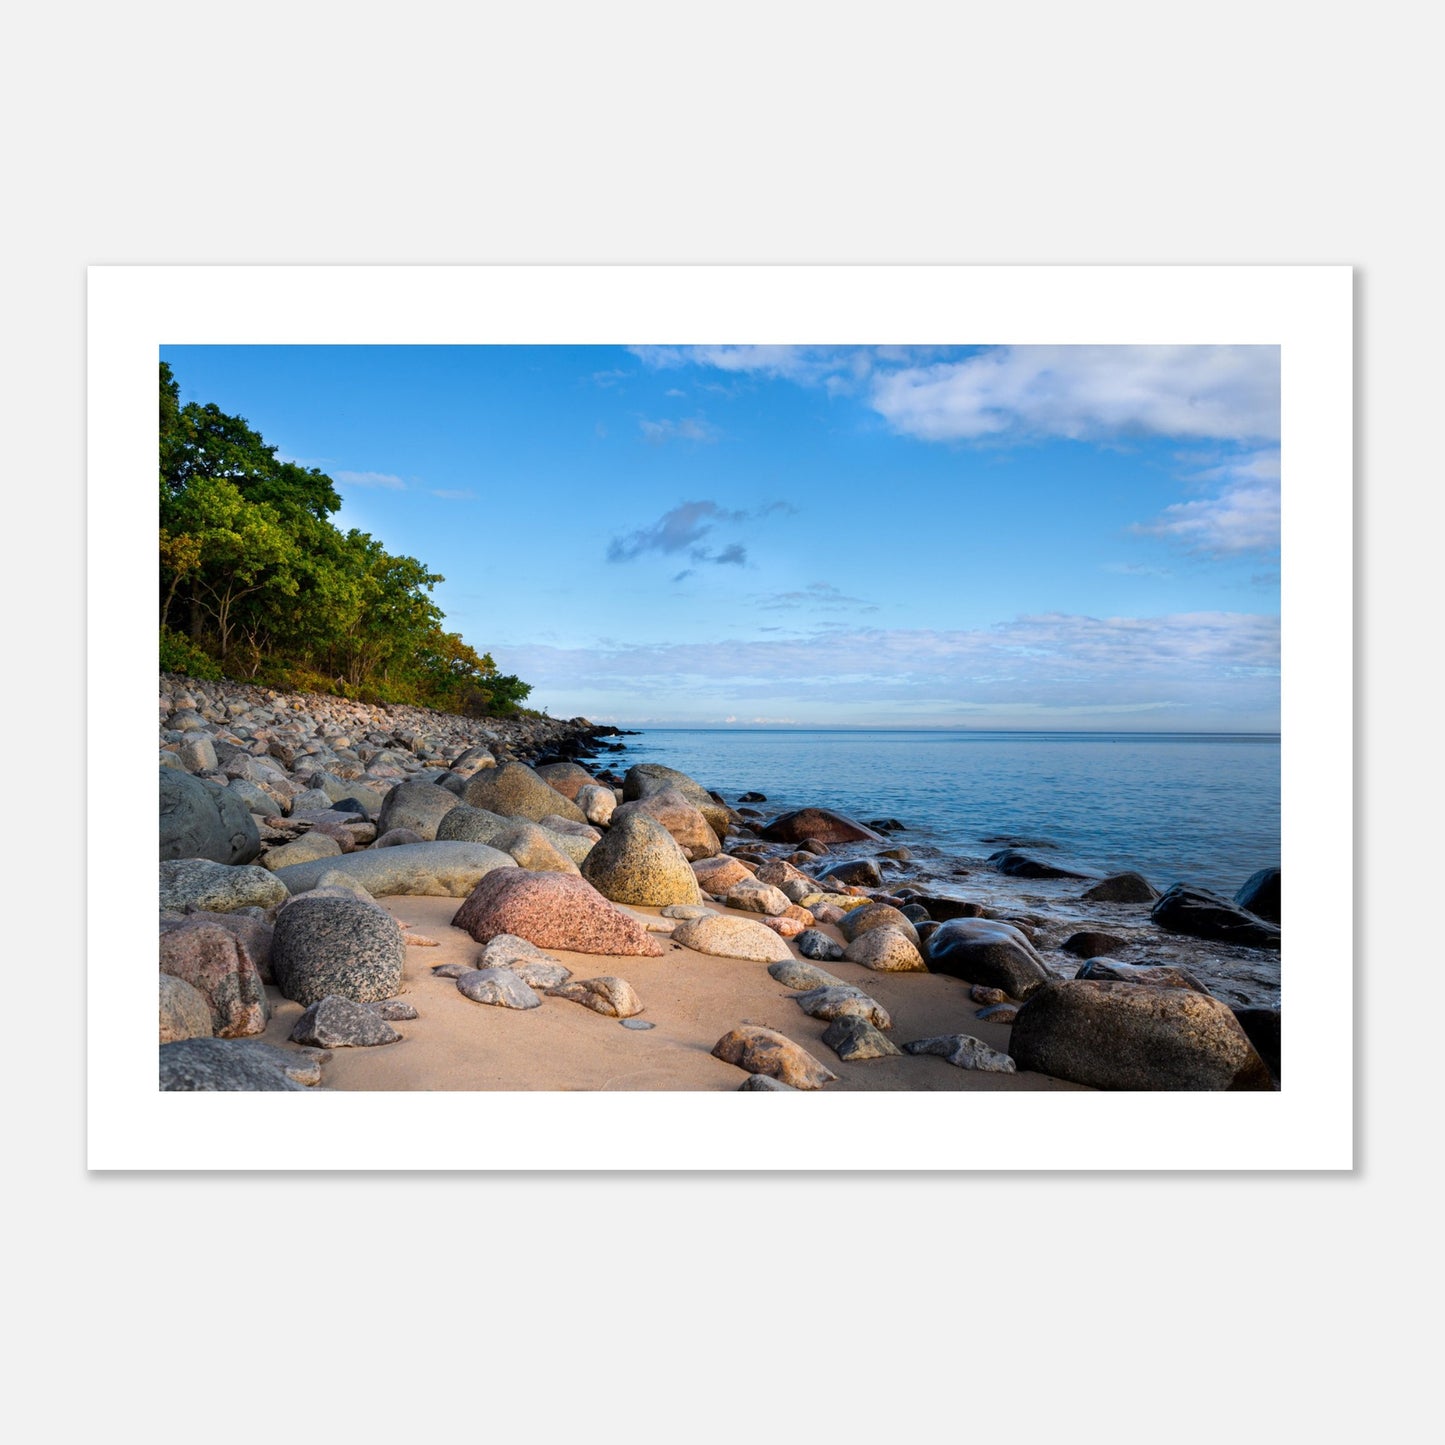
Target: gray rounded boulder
332	945
198	883
417	805
201	819
221	1065
640	862
515	791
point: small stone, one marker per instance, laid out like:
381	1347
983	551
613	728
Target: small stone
803	976
764	1084
686	910
342	1023
394	1009
843	1001
999	1013
606	995
764	1051
420	940
854	1039
813	943
452	970
636	1024
964	1052
501	987
981	993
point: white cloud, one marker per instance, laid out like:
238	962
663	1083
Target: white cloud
370	479
688	429
1243	515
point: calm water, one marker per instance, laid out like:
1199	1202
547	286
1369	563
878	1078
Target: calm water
1203	809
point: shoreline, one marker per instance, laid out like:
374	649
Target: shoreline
689	998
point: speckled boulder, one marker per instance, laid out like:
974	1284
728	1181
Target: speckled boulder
680	816
1132	1036
765	1051
885	950
567	778
597	803
983	950
839	1000
197	883
253	930
792	973
499	987
445	870
717	875
185	1012
643	780
854	1039
515	791
306	849
416	804
342	1023
640	862
201	819
398	837
552	910
530	844
221	1065
754	897
214	961
331	945
859	921
814	943
608	995
725	937
820	823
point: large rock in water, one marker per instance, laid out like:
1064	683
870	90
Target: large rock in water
644	779
1122	888
640	862
982	950
1131	1036
445	870
1260	895
680	816
331	945
215	962
1013	864
418	805
200	819
515	791
197	883
820	823
1201	914
195	1065
552	910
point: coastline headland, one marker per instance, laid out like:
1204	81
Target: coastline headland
364	897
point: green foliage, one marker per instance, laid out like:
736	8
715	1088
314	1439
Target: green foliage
269	589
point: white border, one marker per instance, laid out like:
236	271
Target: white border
1305	310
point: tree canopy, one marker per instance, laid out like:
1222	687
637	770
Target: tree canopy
256	582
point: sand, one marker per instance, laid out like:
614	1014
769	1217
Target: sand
691	999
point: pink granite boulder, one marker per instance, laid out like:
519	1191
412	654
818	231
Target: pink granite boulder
552	910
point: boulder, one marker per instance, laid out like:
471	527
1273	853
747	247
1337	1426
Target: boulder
680	816
717	875
885	950
834	1001
500	987
515	791
1013	864
597	803
214	961
342	1023
1122	888
856	872
764	1051
445	870
197	883
552	910
201	819
983	950
964	1051
753	897
1157	975
859	921
614	997
205	1065
1201	914
1260	895
814	943
306	849
644	779
416	804
185	1012
332	945
854	1039
791	973
640	862
252	928
725	937
1091	945
568	778
822	824
1261	1025
943	909
526	960
1132	1036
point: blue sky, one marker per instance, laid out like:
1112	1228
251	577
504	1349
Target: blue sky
1049	537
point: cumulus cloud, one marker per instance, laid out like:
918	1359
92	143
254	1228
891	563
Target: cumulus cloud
1242	515
687	429
682	530
370	479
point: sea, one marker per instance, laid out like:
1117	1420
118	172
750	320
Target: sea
1195	808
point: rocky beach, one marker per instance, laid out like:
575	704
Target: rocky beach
359	897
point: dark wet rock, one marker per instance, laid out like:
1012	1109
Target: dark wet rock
806	824
185	1012
417	804
220	1065
1092	945
640	862
964	1051
1159	975
915	913
857	872
886	950
645	779
515	791
999	1013
614	997
197	883
214	961
854	1040
886	825
443	869
833	1001
859	921
981	993
764	1084
201	819
1261	1025
765	1051
1014	864
926	930
1122	888
814	846
753	798
342	1023
552	910
1132	1036
803	976
814	943
333	945
500	987
726	937
1201	914
980	950
1260	895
